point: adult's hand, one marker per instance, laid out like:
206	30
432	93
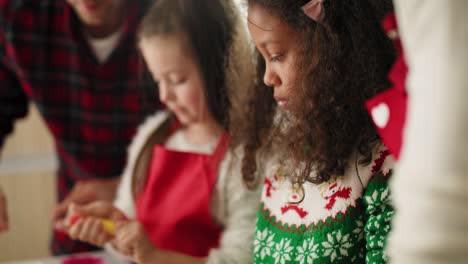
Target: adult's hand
89	227
3	212
85	192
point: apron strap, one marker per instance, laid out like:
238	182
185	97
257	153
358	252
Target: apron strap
140	171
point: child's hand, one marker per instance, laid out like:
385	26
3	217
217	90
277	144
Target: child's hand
131	240
85	223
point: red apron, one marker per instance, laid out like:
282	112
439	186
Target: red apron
388	109
174	207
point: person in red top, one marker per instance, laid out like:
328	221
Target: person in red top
77	61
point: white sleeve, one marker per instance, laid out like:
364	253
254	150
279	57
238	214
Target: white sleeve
430	188
239	207
125	203
124	199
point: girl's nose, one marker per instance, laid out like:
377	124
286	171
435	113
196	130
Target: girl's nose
270	78
165	93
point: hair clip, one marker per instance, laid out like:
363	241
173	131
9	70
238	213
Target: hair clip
314	10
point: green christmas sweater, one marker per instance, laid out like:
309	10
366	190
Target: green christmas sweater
344	220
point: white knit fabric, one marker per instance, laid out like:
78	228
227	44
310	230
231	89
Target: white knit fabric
430	188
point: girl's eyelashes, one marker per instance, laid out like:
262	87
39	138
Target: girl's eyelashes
176	79
179	81
271	56
276	58
172	80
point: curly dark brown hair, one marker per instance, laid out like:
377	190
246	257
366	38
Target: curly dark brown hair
352	56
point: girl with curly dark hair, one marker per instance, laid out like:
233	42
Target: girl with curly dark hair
324	169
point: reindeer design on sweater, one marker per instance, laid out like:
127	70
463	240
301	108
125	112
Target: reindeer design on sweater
331	191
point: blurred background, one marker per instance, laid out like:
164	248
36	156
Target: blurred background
27	175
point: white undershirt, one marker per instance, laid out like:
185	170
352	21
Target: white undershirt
103	47
179	142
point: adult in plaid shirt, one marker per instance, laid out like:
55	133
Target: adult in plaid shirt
77	61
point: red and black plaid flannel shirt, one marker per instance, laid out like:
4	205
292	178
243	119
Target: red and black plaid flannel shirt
91	109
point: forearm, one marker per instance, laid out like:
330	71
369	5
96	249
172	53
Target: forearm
3	211
13	101
104	189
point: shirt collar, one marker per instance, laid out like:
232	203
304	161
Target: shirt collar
135	11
